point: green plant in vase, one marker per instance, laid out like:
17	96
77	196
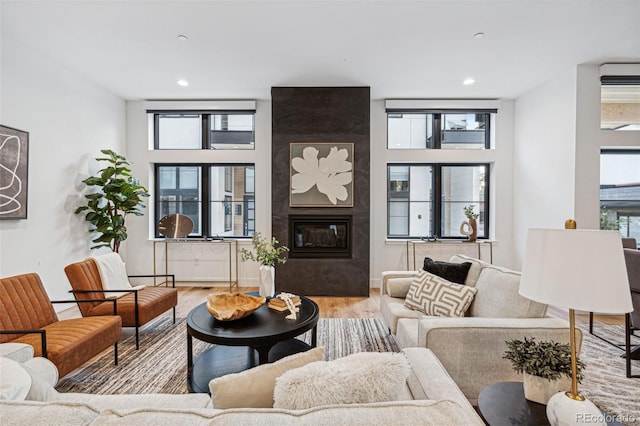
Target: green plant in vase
470	227
119	194
267	254
545	365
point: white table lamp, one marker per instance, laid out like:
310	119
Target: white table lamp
575	269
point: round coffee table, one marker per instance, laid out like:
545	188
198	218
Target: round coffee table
265	333
504	403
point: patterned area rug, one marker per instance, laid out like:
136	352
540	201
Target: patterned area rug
605	382
160	365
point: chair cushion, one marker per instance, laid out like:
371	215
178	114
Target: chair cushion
498	296
436	296
454	272
358	378
74	341
152	301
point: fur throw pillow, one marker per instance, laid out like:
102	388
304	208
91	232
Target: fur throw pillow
358	378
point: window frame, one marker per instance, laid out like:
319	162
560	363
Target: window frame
436	199
436	124
205	201
205	117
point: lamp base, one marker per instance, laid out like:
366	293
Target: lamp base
563	411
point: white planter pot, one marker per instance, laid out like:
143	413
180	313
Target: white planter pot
539	390
267	281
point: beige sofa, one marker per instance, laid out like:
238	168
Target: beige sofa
429	397
471	347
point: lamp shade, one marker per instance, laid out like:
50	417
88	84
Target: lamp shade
576	269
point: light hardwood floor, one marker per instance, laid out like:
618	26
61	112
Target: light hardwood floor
330	307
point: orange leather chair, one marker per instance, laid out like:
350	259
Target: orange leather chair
136	308
27	316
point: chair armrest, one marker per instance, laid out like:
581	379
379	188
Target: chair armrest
173	277
115	307
42	333
386	275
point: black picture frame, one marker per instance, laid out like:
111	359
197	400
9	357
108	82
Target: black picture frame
14	173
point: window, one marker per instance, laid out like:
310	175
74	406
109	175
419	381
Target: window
620	103
207	130
428	200
438	130
213	196
620	191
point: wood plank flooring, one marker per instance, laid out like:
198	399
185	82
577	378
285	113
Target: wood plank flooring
330	307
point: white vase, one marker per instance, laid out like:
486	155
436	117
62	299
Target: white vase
267	281
538	389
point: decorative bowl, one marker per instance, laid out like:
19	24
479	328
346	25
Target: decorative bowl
232	306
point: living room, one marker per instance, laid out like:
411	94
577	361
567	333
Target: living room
79	77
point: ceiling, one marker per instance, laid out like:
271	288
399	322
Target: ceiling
401	49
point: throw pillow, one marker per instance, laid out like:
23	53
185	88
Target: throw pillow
358	378
454	272
253	388
44	375
14	380
436	296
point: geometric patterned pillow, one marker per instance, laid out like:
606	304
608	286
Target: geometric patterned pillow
438	297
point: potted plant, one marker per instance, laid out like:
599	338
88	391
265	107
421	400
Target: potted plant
546	367
119	194
267	254
470	227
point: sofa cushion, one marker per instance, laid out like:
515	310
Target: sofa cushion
498	296
44	375
255	387
436	296
15	381
357	378
454	272
19	352
423	413
474	270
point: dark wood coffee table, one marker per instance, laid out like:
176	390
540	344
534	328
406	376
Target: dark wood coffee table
504	404
262	337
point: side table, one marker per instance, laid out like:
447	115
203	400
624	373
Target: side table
504	404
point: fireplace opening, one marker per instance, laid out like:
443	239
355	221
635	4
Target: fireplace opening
320	236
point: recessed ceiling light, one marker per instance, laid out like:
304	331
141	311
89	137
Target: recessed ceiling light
182	82
182	37
478	35
468	81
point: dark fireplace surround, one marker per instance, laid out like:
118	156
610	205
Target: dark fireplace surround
330	256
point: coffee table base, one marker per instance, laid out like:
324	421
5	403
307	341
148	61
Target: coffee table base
219	360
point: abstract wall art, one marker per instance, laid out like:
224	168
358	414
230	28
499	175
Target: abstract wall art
14	172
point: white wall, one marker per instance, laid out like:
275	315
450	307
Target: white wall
544	158
69	119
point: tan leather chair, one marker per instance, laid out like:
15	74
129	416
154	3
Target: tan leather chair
632	319
27	316
136	308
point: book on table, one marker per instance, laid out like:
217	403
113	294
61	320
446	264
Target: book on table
279	302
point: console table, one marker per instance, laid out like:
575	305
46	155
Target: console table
455	246
231	249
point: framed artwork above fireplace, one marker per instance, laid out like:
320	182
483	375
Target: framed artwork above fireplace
321	174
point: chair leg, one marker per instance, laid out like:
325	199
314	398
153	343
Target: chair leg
590	322
137	321
115	352
174	314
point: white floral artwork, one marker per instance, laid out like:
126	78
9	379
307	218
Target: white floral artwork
322	175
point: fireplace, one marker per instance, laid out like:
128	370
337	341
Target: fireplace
320	236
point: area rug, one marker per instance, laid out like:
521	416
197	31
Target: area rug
605	382
160	365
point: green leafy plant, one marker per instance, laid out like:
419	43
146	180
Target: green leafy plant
266	252
607	223
468	212
547	359
119	195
